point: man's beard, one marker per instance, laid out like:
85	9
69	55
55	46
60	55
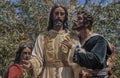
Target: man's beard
58	22
78	26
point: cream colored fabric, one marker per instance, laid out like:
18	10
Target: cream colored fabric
49	51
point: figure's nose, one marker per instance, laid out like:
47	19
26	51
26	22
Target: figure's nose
58	16
27	57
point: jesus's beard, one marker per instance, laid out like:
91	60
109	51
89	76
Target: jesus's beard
58	22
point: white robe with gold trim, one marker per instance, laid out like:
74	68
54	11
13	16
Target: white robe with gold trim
49	57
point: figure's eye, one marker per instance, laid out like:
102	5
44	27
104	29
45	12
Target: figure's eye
29	53
61	13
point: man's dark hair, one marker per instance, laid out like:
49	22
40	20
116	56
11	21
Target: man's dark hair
51	18
87	17
19	51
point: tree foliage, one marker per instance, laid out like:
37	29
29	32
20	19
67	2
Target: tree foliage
28	18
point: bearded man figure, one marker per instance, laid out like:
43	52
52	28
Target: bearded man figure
49	54
93	58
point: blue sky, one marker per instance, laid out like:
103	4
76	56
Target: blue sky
79	1
12	0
